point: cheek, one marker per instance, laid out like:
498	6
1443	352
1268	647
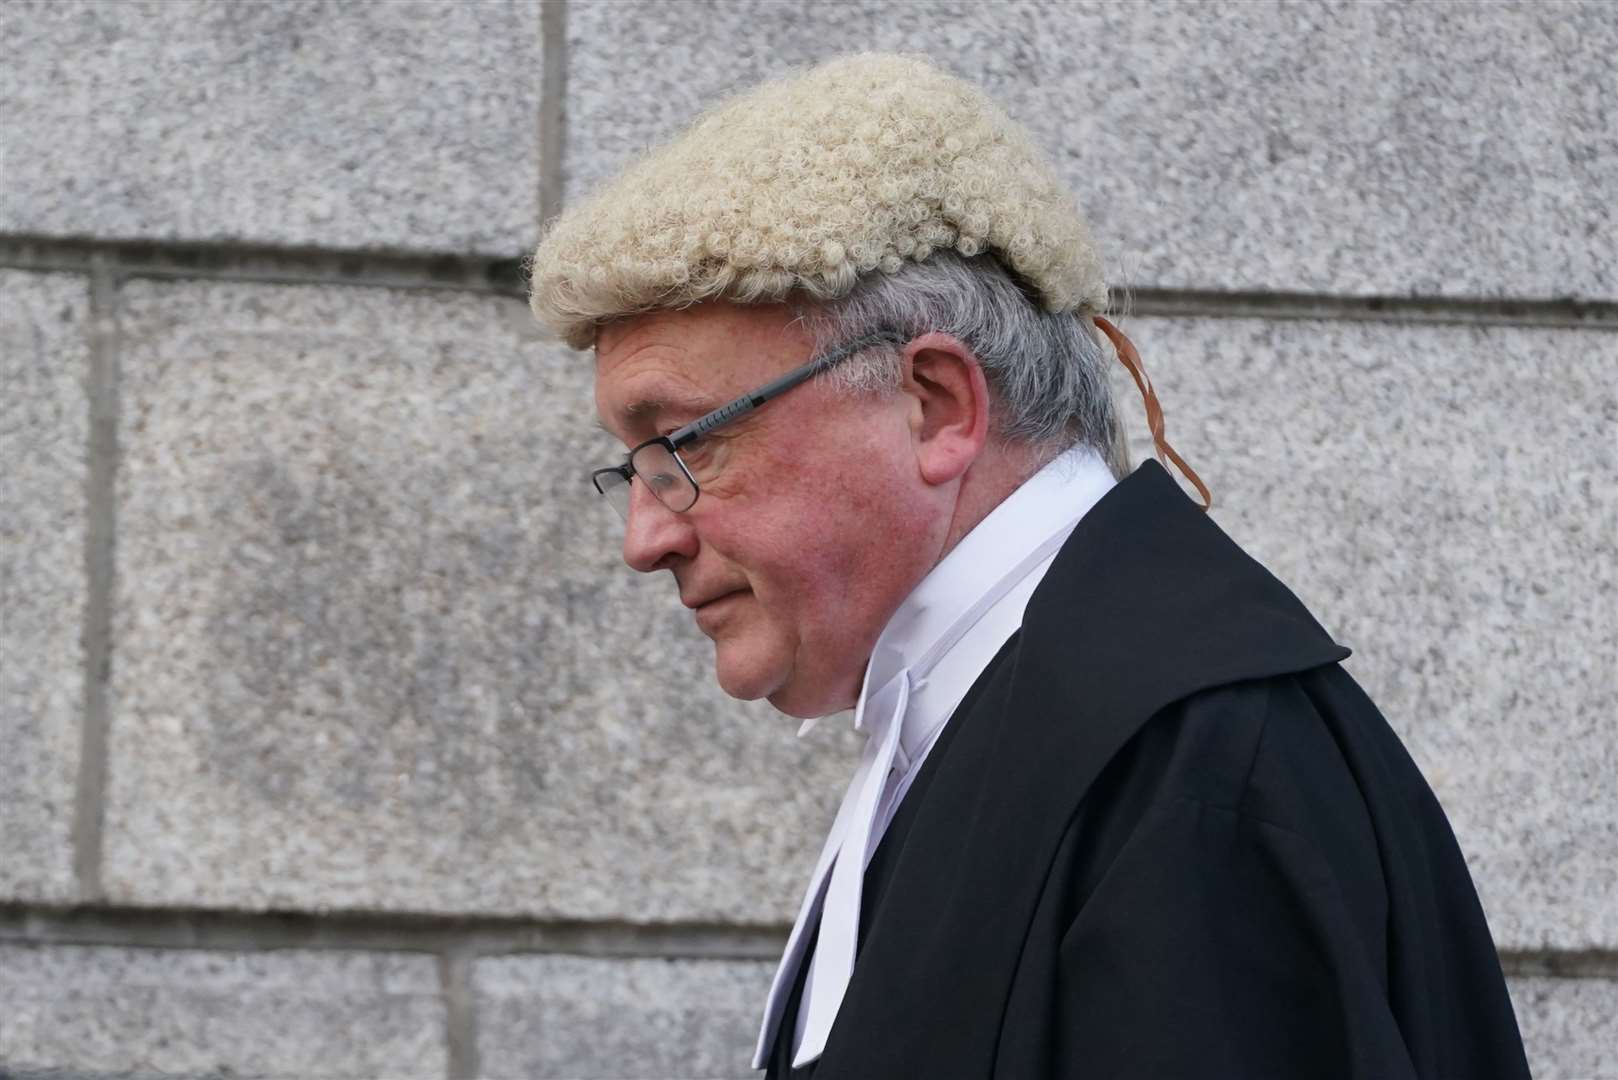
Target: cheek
834	533
815	522
791	550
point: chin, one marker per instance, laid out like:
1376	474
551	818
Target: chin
809	699
751	678
749	670
747	677
804	707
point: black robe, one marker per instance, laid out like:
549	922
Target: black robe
1165	835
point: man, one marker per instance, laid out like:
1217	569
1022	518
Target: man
1120	813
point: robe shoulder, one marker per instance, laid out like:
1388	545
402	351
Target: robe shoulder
1260	884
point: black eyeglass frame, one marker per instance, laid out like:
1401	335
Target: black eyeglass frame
741	406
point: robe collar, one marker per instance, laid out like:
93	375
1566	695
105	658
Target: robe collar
1148	602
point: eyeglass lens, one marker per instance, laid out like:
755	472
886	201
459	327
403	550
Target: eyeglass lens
611	483
656	467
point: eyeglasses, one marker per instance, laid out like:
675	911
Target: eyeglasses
657	461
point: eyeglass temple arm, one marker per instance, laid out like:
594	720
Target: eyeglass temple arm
748	402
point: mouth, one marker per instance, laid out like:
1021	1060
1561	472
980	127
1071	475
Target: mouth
714	612
709	601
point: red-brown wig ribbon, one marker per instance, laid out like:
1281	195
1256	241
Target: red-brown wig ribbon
1154	411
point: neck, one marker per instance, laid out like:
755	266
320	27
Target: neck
1001	469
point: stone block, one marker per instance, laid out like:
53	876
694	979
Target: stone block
1440	497
1345	148
1569	1026
96	1009
45	445
583	1018
376	648
404	125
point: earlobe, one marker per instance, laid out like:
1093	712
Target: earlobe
949	387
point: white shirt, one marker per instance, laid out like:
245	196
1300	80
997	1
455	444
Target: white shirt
936	645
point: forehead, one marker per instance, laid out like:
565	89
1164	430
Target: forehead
687	362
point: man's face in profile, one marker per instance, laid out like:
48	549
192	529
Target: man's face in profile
796	550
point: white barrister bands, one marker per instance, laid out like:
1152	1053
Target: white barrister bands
932	650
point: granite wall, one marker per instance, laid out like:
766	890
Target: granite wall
339	744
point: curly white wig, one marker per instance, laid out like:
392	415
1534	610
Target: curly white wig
806	184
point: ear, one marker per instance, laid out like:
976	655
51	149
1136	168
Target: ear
950	425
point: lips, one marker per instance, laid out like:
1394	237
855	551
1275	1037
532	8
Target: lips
704	599
712	614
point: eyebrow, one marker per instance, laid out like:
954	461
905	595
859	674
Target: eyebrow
650	408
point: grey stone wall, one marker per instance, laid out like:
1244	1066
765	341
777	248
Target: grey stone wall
338	742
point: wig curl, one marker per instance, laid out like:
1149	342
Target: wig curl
806	184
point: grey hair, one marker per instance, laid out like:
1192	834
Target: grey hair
1047	375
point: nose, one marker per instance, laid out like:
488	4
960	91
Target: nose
654	535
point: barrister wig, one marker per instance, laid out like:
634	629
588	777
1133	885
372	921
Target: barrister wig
805	184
